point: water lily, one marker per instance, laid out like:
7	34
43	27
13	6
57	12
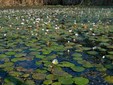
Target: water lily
70	30
76	34
68	41
55	62
94	47
68	51
74	40
103	56
5	35
18	28
42	29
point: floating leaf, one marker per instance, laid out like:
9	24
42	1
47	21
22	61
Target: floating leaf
39	76
66	64
81	81
65	80
51	77
10	53
29	82
47	82
56	83
92	52
78	68
109	79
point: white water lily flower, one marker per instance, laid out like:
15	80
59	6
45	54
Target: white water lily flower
47	30
42	29
55	62
103	56
45	33
74	40
68	51
93	34
76	34
70	30
91	29
75	22
5	35
18	28
22	23
68	41
95	47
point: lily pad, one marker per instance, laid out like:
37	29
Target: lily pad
56	83
7	64
40	56
18	59
57	71
66	64
39	76
20	55
109	79
78	68
92	52
65	80
47	82
77	55
85	63
51	77
2	56
29	82
81	81
10	53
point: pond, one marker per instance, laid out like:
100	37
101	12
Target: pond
56	46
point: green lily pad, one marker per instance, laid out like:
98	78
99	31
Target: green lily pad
2	56
110	56
110	52
10	53
41	71
29	82
86	48
66	64
25	75
100	67
47	82
39	76
77	55
7	64
85	63
109	66
9	68
20	55
56	83
78	68
65	80
9	80
40	56
92	52
18	59
46	51
81	81
109	79
51	77
15	74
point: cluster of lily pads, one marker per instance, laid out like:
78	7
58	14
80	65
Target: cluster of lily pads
56	46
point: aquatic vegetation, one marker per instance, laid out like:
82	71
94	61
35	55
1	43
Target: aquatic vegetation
55	62
109	79
68	45
39	76
81	81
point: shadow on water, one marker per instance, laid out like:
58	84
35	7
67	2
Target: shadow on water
7	79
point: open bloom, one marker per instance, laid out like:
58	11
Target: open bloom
55	62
